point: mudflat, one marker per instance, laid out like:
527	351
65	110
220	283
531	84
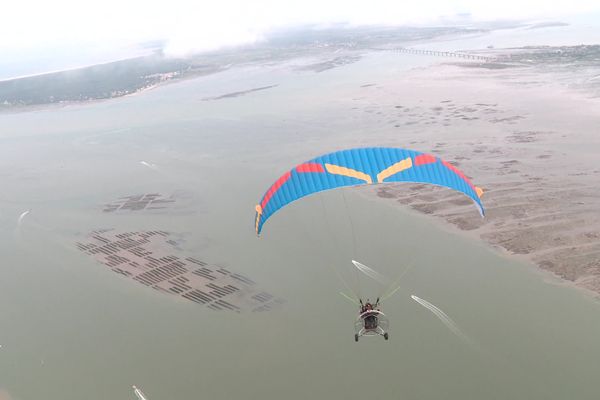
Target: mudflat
528	135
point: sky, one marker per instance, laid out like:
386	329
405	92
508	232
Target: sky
50	33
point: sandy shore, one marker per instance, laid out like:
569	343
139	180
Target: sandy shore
525	137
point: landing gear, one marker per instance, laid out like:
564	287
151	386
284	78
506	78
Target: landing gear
371	323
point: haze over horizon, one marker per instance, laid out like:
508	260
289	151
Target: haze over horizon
65	34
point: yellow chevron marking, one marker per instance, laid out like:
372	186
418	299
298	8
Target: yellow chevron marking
479	191
352	173
258	215
394	169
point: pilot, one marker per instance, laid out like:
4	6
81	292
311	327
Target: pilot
371	319
365	307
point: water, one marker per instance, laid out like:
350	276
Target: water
71	329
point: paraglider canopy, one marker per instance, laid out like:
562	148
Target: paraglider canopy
362	166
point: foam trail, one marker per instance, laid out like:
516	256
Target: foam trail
139	394
146	164
371	273
18	228
441	316
23	215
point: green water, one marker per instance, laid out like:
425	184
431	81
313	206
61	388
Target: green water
71	329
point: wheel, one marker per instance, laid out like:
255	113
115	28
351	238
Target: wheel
385	336
356	337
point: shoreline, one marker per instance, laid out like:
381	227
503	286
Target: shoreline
448	227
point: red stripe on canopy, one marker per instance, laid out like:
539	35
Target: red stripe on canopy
309	167
274	188
459	173
423	159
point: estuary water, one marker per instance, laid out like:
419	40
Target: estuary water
72	329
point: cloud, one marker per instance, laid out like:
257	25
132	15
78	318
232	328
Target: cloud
189	39
205	25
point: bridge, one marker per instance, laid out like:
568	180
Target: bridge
439	53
